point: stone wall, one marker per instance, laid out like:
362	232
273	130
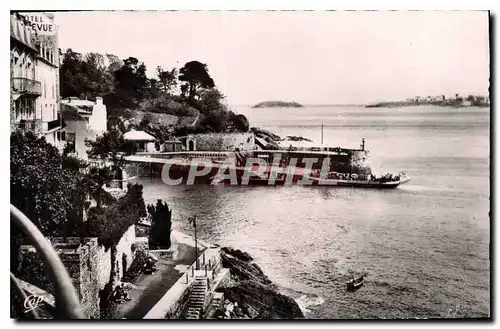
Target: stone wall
88	265
125	251
80	260
222	142
82	268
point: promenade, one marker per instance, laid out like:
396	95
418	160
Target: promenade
150	288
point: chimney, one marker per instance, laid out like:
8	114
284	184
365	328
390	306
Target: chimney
98	100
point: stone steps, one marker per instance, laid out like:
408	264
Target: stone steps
197	298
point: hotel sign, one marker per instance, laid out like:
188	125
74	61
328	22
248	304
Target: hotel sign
41	24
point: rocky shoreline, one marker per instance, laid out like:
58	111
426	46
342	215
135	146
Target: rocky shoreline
249	294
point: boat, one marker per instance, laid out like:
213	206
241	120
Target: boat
355	283
263	180
345	180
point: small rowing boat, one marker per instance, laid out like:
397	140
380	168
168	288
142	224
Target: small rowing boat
355	283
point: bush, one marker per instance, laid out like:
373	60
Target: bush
110	223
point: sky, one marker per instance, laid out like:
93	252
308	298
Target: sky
312	57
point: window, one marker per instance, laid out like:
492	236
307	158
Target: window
61	135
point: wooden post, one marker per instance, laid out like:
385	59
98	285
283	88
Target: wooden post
203	258
187	277
192	270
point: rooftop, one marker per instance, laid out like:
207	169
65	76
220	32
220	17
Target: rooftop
135	135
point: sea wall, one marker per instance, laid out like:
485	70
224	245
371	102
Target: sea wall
221	142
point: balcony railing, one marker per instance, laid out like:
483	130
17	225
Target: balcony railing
67	302
29	86
53	124
34	126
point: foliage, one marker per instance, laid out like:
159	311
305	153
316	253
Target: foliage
131	85
40	187
109	223
161	225
167	80
111	146
125	87
50	189
33	271
166	104
211	101
237	123
196	76
85	77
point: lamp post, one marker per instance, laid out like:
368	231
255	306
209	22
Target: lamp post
192	221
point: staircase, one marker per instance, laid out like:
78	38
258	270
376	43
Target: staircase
197	298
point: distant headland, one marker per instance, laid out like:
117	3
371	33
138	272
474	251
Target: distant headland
457	101
277	104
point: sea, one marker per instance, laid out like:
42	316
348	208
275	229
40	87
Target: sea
423	247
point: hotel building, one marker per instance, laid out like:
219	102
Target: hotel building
34	65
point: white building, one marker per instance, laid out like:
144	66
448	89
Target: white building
83	120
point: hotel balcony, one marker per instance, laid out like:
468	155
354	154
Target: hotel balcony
27	86
34	126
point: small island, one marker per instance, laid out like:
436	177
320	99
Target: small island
277	104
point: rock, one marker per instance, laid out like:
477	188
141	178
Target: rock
269	303
251	294
241	268
237	253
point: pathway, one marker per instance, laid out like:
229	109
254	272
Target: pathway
150	288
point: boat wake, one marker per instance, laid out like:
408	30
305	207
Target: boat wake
305	302
422	188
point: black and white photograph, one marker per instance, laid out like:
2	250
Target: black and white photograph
250	165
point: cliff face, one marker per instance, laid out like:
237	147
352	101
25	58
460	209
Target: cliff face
251	293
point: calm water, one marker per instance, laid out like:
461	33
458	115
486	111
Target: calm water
423	246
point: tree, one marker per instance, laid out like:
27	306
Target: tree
131	83
112	146
238	123
109	224
72	80
167	79
211	101
161	225
184	90
42	188
196	75
84	76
